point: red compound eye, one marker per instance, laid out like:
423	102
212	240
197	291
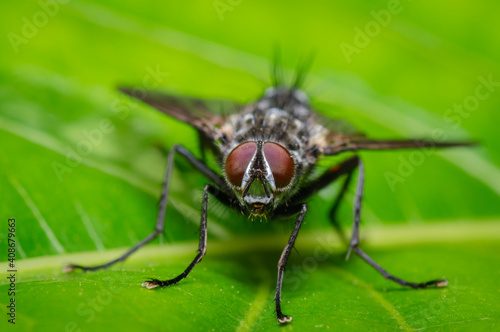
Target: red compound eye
281	163
238	160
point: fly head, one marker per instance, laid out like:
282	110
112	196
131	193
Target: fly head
258	172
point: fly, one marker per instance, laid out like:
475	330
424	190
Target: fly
267	151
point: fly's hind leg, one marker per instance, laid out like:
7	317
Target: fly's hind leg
333	211
354	245
347	167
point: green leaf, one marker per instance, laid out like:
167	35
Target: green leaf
81	165
233	288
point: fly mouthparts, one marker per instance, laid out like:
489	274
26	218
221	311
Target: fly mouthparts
251	200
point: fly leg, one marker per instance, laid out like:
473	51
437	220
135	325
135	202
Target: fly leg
202	247
282	263
160	222
347	168
354	246
336	204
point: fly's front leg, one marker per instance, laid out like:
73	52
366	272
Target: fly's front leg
282	263
202	247
354	246
160	221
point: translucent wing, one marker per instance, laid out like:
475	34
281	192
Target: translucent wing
207	116
342	136
342	143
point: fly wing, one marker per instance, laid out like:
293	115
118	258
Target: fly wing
341	143
341	136
207	116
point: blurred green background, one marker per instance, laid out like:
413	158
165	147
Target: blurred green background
81	165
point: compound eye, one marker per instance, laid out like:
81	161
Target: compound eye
238	160
281	163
